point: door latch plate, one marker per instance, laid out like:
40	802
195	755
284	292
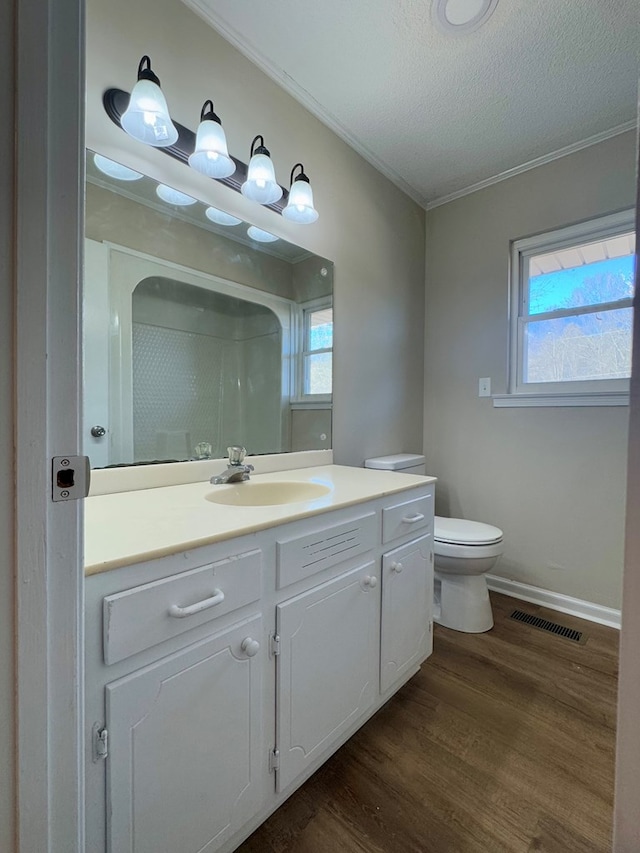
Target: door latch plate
70	478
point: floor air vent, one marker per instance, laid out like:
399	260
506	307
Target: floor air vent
552	627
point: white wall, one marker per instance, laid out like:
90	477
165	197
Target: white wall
7	789
371	230
552	478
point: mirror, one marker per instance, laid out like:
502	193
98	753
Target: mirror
197	334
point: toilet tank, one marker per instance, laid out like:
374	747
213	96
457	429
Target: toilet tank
406	463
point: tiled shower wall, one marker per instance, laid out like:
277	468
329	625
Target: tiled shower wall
204	376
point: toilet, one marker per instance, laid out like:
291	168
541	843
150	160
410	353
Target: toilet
464	551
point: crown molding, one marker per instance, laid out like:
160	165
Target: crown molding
302	96
533	164
329	120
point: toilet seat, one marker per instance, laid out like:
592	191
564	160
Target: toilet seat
459	531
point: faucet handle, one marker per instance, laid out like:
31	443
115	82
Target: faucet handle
236	455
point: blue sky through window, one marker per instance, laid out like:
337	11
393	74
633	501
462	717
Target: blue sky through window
566	288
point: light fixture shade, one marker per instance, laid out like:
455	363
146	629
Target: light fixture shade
147	117
300	204
116	170
261	184
220	217
211	155
172	196
261	236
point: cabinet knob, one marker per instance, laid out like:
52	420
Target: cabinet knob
250	647
370	582
397	567
98	431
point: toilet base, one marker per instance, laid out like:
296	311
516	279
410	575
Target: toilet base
461	602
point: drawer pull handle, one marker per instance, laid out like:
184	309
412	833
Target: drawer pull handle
397	567
250	647
370	582
180	612
413	519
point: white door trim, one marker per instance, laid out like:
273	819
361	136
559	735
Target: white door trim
49	581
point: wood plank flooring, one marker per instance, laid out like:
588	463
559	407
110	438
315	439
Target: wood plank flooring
503	743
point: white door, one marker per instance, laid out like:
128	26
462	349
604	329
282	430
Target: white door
185	747
327	671
407	603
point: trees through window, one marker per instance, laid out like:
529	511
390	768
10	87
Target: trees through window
573	290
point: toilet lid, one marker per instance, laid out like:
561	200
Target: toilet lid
459	531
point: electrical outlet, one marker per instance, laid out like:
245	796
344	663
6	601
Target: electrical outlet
484	387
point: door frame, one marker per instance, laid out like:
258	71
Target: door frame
49	191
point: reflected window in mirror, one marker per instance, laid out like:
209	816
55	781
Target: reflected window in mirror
317	351
196	336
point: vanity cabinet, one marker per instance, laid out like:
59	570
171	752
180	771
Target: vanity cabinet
185	746
406	636
219	679
327	666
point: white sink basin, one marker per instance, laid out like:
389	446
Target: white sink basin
267	494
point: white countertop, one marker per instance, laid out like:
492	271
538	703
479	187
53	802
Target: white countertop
131	527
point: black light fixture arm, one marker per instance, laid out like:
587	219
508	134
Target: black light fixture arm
207	112
116	101
145	72
300	177
260	149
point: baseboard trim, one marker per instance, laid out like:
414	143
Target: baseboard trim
556	601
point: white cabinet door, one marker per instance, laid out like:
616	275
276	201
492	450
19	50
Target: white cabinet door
185	747
407	602
327	671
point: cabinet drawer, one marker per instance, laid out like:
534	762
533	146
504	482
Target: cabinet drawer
146	615
410	516
303	556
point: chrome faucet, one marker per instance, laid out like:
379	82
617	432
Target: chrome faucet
236	471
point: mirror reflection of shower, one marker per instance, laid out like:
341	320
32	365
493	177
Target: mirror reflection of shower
206	373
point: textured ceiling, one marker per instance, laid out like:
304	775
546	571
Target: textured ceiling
439	113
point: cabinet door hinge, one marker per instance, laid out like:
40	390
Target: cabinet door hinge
275	645
100	742
431	556
274	760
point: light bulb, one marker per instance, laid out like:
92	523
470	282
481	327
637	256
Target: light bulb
147	117
261	185
211	155
300	204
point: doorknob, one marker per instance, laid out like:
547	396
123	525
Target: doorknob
98	431
250	647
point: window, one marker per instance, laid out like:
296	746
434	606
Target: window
571	324
317	350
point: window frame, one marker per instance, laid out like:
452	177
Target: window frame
305	310
576	392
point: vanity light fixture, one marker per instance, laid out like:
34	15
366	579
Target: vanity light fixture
172	196
220	217
211	155
261	236
261	185
300	205
147	117
116	170
144	115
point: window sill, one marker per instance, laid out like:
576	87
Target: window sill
598	398
321	402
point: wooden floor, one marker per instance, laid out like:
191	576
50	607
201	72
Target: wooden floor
503	743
